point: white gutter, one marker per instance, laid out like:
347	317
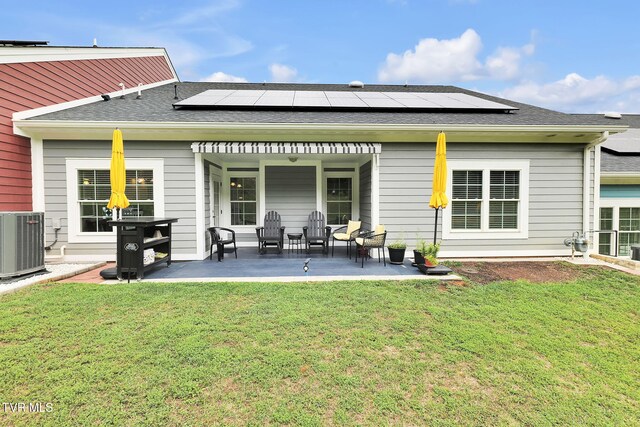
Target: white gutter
586	180
62	124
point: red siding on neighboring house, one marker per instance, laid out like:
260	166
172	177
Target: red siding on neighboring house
27	85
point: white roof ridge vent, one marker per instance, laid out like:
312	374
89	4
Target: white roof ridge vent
613	115
356	83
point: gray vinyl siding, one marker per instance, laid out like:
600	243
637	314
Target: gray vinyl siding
291	191
555	192
179	188
365	196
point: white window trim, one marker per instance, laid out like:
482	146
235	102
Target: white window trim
355	190
226	197
616	203
73	212
522	232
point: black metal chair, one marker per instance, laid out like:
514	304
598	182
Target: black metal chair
346	233
316	232
219	242
271	233
371	240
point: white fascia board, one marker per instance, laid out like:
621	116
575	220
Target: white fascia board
318	131
12	55
22	115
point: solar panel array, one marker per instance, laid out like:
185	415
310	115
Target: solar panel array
316	99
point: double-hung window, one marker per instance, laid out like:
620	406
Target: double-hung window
244	202
606	226
339	200
629	220
94	191
89	190
487	199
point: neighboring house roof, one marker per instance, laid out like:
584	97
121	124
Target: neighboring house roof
50	77
621	152
156	105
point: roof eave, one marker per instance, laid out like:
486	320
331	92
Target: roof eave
236	131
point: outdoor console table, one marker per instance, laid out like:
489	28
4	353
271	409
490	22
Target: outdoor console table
295	239
137	234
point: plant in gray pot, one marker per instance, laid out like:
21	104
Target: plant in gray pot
396	251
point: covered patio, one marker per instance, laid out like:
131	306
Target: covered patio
287	266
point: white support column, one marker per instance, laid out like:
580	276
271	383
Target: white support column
200	229
319	186
37	175
375	190
596	199
586	181
262	193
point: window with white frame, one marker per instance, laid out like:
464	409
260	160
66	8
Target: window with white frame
629	222
89	190
243	198
94	191
487	199
339	200
605	237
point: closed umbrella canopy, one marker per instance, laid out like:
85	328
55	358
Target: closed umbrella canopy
438	197
117	173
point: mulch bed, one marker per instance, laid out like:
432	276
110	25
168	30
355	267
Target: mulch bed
532	271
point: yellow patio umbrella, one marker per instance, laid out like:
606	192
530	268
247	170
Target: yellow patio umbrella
118	175
438	197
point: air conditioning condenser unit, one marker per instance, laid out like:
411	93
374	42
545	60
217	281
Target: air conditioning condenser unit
21	243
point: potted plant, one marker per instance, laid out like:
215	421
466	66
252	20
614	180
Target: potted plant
396	251
419	251
431	254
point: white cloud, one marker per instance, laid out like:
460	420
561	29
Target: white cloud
575	93
282	73
219	76
453	60
434	60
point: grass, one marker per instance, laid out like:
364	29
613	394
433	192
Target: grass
342	353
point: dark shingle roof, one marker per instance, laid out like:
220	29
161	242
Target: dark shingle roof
156	105
621	152
631	120
614	162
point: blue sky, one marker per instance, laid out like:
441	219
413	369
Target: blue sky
572	56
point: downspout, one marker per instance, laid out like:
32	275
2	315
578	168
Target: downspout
586	197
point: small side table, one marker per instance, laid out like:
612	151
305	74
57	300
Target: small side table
295	239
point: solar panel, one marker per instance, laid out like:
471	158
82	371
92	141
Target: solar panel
276	98
317	99
311	98
383	103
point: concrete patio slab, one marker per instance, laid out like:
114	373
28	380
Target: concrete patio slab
287	266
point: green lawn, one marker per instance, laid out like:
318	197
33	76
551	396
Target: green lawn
342	353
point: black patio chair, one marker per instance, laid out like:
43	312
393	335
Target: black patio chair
316	232
271	233
346	233
219	242
371	240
